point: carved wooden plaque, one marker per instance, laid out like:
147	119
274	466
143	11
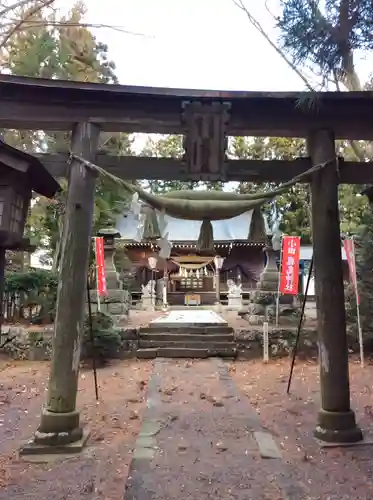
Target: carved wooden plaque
205	140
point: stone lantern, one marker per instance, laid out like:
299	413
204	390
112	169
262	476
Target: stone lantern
117	301
269	276
20	174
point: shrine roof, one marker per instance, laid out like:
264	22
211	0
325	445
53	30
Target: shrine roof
182	231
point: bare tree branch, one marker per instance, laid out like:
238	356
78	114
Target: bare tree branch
260	29
10	25
32	23
351	82
18	25
12	7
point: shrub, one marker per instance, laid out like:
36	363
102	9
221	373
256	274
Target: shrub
35	290
106	340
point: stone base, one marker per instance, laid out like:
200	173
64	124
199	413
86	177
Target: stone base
58	431
35	446
364	442
148	304
337	427
116	303
57	423
234	303
256	319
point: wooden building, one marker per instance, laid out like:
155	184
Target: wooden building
188	271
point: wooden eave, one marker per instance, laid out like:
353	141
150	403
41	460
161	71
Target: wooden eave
40	179
32	103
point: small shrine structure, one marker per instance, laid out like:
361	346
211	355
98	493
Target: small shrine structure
190	270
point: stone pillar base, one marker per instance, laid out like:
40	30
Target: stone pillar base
58	433
147	304
235	303
116	304
337	427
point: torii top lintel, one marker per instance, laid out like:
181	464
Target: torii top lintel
33	103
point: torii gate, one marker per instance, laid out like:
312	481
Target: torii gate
206	119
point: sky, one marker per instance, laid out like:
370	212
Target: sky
195	44
201	44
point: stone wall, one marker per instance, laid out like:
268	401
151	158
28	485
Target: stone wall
27	344
38	345
116	304
281	343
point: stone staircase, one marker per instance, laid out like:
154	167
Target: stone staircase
189	341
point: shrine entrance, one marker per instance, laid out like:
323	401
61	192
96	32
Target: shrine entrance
206	119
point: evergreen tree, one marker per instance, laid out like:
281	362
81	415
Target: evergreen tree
328	37
49	47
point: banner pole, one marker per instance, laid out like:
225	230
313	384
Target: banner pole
92	338
279	283
360	333
295	349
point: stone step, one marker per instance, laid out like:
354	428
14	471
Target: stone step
211	346
187	337
197	330
183	352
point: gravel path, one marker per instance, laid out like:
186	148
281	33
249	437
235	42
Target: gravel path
197	441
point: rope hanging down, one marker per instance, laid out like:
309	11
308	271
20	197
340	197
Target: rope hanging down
204	205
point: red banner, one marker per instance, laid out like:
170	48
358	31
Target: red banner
100	267
349	246
289	279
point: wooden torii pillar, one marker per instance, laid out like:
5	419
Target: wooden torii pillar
336	420
60	425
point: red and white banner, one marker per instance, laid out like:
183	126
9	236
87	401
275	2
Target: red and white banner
100	267
349	246
289	279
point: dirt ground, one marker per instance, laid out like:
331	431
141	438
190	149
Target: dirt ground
328	474
101	471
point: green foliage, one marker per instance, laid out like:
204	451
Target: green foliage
292	208
33	280
171	146
364	266
62	48
324	33
106	340
36	290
